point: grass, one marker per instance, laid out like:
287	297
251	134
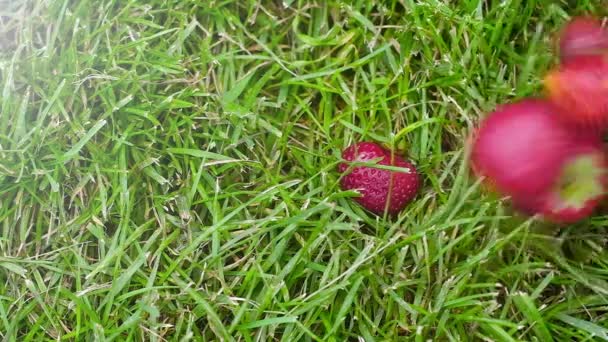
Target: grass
168	172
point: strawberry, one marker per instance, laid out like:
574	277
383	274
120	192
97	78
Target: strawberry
520	148
526	152
579	189
579	89
582	36
380	189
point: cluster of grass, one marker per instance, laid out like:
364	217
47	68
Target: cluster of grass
168	172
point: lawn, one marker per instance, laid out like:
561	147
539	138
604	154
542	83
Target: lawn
168	172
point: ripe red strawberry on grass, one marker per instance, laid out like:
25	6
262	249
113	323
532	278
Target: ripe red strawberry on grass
527	153
380	189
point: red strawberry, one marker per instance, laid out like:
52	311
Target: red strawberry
521	147
581	185
579	89
378	186
582	36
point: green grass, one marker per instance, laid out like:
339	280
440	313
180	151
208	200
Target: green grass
168	172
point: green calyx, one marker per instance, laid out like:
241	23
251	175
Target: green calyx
581	180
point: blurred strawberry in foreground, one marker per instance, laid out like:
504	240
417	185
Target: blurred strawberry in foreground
581	185
378	186
526	153
582	36
547	155
519	147
579	89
